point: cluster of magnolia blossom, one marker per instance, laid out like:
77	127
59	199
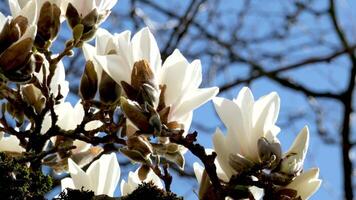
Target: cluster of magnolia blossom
155	102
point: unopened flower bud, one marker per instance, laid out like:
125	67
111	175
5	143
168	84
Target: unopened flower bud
78	32
89	82
154	120
239	163
135	114
135	156
109	90
91	19
89	22
12	31
177	158
139	143
150	94
143	171
16	56
72	15
48	23
33	96
141	74
269	152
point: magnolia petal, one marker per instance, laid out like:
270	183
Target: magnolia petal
3	20
67	183
10	144
198	98
79	177
230	113
198	171
222	152
173	71
88	51
110	64
125	188
112	173
306	184
144	46
265	113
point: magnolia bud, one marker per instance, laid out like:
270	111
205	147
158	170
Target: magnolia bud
136	115
269	152
16	56
72	15
154	120
239	163
136	156
176	158
150	94
78	32
33	96
141	144
89	82
48	23
12	31
109	90
143	171
141	73
91	19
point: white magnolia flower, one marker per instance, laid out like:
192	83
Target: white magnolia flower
293	159
58	79
104	45
199	170
25	8
101	177
69	117
10	144
134	181
246	121
306	184
84	7
20	7
31	29
182	79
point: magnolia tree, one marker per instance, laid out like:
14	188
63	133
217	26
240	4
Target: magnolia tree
132	103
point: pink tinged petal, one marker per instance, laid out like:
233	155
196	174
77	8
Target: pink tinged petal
111	64
79	177
67	183
196	99
306	184
222	152
144	46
